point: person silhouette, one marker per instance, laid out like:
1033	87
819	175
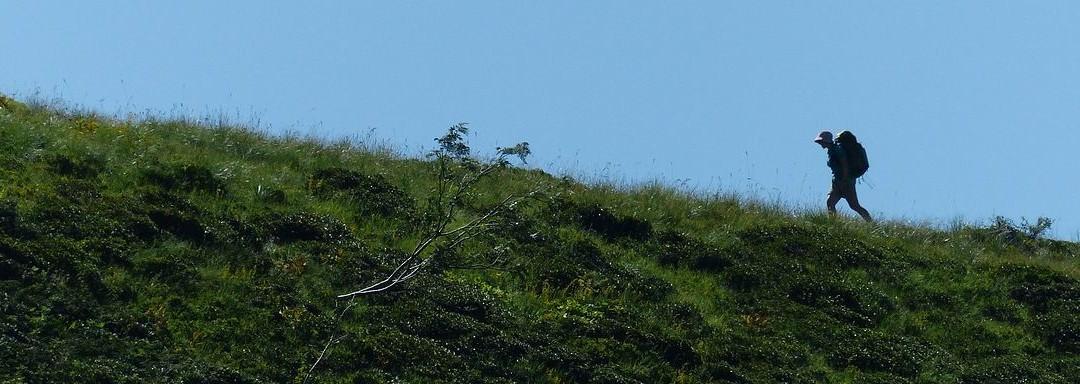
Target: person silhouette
843	182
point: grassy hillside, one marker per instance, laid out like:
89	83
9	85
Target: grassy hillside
167	251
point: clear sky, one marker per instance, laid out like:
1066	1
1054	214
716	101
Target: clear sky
968	109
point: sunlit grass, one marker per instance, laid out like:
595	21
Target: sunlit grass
169	249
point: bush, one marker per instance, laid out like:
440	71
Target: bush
775	351
468	299
602	221
1039	287
373	194
9	217
678	249
77	167
878	352
1027	237
1060	326
175	215
568	262
1000	308
306	226
646	286
722	372
855	302
174	264
185	177
1008	370
815	244
747	276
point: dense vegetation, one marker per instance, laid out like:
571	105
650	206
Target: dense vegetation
150	250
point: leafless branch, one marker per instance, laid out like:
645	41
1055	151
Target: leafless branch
451	192
454	238
334	338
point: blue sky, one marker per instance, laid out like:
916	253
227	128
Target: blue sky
968	109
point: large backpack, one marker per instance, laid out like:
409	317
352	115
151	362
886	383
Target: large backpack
856	154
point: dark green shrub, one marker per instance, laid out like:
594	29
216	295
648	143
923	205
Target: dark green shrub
776	351
127	324
111	250
567	263
56	216
1009	370
572	366
435	324
678	249
236	232
714	260
271	195
847	300
747	276
373	194
723	372
216	375
613	374
179	224
173	214
927	298
353	263
817	245
879	378
9	268
468	299
1039	287
606	223
1067	367
518	228
78	167
1060	326
677	353
685	318
9	216
174	265
460	316
674	248
405	356
878	352
646	286
185	177
1026	236
301	226
68	262
1000	308
794	238
790	376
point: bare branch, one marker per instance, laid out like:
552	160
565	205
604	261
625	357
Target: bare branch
494	211
384	281
457	174
334	338
450	192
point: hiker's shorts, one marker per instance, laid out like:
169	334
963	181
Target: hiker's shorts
844	189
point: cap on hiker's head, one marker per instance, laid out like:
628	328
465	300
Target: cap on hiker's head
823	136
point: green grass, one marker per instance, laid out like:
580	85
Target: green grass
156	250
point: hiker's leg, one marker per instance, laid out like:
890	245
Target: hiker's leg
853	202
831	203
834	197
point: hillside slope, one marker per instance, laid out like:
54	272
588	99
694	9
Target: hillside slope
168	251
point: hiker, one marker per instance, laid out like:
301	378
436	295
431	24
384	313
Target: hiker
844	174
